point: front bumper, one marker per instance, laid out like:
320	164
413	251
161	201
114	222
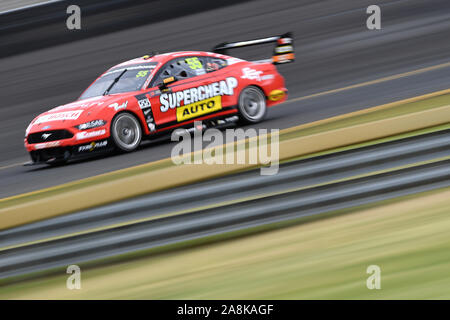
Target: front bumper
64	153
69	143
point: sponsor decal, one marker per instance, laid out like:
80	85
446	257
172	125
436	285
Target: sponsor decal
197	94
287	57
91	124
83	105
144	103
90	104
251	74
146	107
68	115
276	95
149	67
284	49
196	109
151	126
47	145
91	134
93	146
284	52
118	107
267	77
284	40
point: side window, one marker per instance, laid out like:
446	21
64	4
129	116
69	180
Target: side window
214	64
182	68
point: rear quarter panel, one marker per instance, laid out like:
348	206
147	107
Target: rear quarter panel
263	75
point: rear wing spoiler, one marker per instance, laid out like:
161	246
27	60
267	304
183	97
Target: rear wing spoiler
282	53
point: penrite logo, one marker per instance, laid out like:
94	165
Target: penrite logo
276	95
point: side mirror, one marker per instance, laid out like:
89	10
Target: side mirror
166	82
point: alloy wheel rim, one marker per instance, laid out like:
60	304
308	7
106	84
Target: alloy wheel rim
252	103
127	132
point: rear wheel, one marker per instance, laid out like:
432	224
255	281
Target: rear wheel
252	105
126	132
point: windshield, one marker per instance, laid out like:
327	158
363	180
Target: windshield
121	79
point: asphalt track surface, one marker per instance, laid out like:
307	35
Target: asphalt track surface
334	49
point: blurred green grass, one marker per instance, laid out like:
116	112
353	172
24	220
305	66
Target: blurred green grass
324	259
397	109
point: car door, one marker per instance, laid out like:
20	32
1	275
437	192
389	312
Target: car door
194	94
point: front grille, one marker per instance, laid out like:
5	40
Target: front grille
47	136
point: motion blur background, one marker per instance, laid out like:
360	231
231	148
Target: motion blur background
43	65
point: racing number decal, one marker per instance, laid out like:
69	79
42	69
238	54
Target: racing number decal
142	74
194	63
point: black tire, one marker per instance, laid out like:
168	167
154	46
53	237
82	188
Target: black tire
252	105
126	132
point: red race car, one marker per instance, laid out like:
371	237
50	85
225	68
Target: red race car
156	94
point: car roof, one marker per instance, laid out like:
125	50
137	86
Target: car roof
164	57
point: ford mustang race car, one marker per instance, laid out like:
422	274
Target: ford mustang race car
157	93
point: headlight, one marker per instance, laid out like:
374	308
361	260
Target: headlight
91	124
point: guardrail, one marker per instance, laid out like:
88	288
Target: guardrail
283	203
244	185
10	6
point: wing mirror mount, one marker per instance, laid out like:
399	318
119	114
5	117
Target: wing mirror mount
163	86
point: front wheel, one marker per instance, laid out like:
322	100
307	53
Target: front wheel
252	105
126	132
